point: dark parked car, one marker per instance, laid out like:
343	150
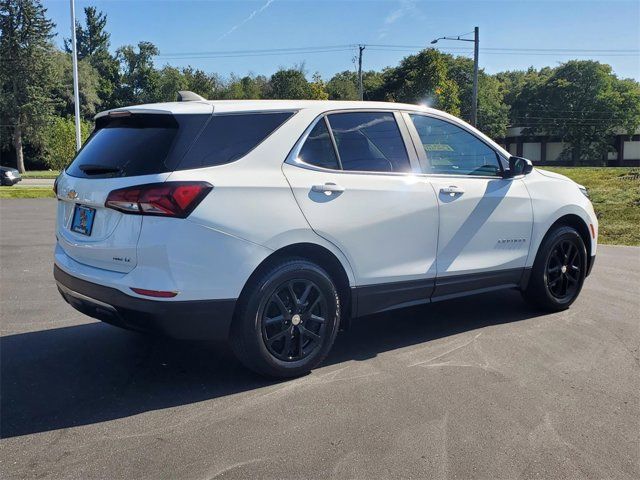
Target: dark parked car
9	176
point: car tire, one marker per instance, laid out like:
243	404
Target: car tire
287	319
558	271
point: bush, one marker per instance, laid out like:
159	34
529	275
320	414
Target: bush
59	139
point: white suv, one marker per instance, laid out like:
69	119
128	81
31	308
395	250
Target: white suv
272	223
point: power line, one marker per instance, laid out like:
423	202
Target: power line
266	51
394	47
260	54
633	50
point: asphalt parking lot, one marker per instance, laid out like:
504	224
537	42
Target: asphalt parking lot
476	388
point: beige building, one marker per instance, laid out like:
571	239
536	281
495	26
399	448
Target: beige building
547	150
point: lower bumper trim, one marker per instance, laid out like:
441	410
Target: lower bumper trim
193	320
592	260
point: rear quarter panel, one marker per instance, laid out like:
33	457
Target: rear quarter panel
252	200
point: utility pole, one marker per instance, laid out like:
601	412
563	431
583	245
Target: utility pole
74	56
476	51
360	86
474	98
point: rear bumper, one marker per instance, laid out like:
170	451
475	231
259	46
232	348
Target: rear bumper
193	320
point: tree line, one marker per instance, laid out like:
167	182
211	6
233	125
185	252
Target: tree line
580	102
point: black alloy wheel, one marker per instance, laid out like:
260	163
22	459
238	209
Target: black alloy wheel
286	319
558	271
294	319
564	270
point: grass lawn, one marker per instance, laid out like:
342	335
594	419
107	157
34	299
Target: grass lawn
26	192
615	194
41	174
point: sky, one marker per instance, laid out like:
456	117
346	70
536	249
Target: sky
245	37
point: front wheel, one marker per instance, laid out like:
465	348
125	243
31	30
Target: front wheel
559	270
287	319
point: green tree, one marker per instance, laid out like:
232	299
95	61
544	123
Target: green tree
60	141
460	70
93	43
493	112
422	78
583	103
626	95
90	39
170	81
26	71
247	87
372	82
89	86
289	84
521	92
343	86
318	89
139	78
208	86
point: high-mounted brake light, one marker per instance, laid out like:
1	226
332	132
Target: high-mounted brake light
169	199
119	113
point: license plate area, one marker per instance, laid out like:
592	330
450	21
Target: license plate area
82	221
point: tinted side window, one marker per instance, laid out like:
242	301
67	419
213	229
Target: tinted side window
369	141
318	148
229	137
452	150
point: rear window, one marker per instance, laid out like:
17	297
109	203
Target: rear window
139	144
229	137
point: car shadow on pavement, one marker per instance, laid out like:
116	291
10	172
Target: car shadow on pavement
90	373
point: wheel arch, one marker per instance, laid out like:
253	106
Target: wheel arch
323	257
578	223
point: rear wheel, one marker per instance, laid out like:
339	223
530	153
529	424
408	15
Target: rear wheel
558	271
287	319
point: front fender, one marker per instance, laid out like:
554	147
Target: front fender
553	199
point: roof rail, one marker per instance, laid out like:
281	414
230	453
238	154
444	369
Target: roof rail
188	96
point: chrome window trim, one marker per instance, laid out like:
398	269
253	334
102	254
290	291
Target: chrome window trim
422	155
292	158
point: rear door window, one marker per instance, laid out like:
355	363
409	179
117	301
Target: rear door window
227	138
369	141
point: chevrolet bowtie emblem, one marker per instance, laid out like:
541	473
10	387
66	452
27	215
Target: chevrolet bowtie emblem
72	194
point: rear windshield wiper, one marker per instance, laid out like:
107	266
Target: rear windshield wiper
98	169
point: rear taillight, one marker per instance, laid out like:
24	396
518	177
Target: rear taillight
169	199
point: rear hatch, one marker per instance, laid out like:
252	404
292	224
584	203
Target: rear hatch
127	148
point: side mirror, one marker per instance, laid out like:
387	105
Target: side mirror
518	166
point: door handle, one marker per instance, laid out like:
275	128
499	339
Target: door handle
452	190
327	188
